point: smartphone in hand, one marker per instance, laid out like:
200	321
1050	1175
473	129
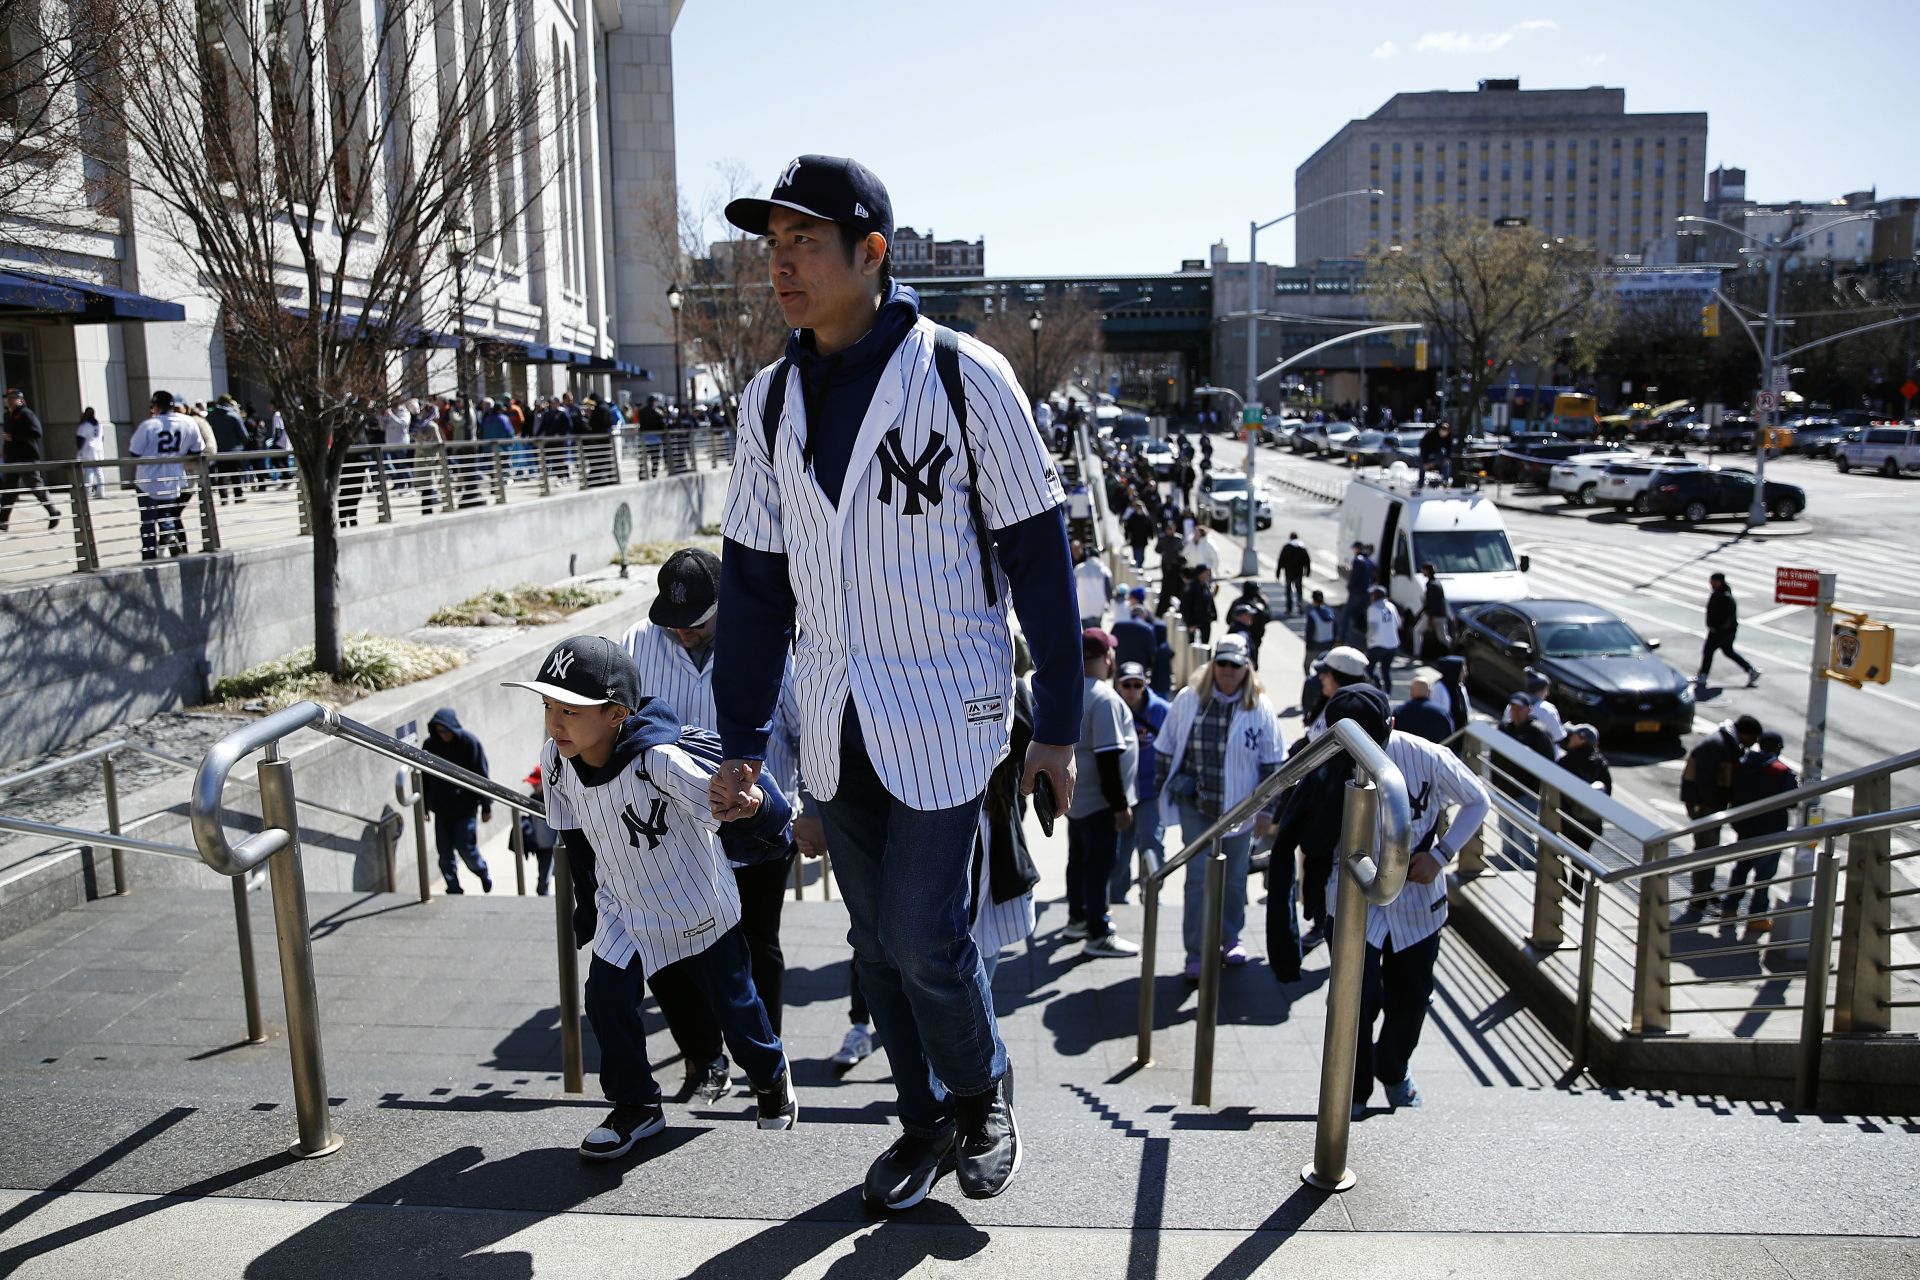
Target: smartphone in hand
1046	802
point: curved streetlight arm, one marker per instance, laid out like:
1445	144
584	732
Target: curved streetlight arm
1744	327
1909	318
1317	348
1314	204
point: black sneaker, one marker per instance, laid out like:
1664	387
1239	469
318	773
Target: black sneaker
711	1082
987	1141
777	1105
625	1125
907	1170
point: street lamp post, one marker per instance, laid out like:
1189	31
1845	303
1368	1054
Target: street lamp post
459	245
1033	325
674	299
1775	248
1249	558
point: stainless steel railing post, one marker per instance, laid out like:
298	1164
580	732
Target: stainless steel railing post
1473	854
86	545
1583	998
1347	955
111	784
1653	954
572	1062
1813	1009
278	812
517	844
417	801
1207	1013
249	973
1548	929
1863	992
1149	949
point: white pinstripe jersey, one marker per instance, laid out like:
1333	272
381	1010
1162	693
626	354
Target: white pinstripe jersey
1435	779
667	672
892	608
665	890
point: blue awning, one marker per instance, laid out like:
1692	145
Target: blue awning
85	303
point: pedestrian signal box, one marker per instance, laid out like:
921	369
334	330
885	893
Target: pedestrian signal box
1862	650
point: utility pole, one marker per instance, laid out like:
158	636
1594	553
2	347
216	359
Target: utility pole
1757	513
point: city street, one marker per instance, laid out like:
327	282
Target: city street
1654	576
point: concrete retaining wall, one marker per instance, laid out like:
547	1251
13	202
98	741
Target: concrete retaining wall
88	651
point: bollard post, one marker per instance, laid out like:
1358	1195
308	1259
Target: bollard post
1207	1012
571	1061
1149	950
499	475
517	842
249	973
1347	954
290	927
1863	989
112	785
387	839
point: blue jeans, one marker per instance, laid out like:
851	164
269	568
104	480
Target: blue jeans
457	835
1239	850
722	973
1092	848
1145	836
906	877
1380	660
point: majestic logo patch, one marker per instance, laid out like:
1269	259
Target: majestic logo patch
560	663
793	171
703	927
919	478
653	828
986	710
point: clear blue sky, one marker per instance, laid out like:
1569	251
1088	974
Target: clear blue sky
1125	135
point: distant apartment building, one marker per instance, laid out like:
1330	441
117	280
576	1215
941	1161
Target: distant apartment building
1570	162
923	257
1835	235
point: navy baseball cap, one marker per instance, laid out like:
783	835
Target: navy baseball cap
585	671
689	589
832	188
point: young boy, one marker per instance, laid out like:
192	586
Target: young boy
626	789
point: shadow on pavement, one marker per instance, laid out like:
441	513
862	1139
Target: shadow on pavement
933	1231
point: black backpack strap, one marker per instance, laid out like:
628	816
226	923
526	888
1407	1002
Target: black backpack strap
946	362
776	402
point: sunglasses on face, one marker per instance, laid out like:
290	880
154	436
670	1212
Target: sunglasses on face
1133	684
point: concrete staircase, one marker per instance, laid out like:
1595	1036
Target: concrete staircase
140	1133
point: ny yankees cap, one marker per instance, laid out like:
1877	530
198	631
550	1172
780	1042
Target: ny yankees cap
585	671
1232	650
1587	731
832	188
1132	671
689	589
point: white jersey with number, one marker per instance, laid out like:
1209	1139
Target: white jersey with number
665	891
169	437
892	609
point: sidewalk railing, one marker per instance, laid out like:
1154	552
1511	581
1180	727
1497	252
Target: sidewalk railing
95	517
1571	847
1374	856
277	845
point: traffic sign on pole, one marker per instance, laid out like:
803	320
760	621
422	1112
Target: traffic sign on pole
1781	382
1796	586
1763	402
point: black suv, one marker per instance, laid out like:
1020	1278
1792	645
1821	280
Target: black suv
1701	493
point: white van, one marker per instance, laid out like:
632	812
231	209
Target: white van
1459	530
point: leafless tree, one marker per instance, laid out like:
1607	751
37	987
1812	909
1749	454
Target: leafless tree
1069	337
51	51
312	162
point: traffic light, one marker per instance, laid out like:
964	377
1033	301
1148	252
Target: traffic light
1420	355
1710	320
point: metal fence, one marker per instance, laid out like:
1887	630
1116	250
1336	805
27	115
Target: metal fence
68	516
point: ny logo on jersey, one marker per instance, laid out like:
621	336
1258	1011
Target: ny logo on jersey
653	828
1417	800
560	663
1253	737
920	478
787	178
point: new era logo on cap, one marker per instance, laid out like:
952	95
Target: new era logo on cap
585	671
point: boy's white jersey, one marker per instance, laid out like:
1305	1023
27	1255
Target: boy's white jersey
665	891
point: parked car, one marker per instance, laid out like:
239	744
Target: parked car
1625	484
1402	444
1221	493
1367	449
1699	493
1531	459
1324	437
1817	437
1279	432
1600	669
1888	450
1578	476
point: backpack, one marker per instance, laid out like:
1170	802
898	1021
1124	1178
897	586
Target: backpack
946	362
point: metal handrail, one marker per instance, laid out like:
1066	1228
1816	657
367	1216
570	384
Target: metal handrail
1798	796
1376	843
1793	838
280	835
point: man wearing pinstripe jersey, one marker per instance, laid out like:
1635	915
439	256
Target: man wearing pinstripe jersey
626	790
879	523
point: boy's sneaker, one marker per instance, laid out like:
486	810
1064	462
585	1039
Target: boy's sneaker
1313	937
1110	947
907	1170
1404	1094
1075	931
855	1048
778	1107
711	1082
986	1140
624	1126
